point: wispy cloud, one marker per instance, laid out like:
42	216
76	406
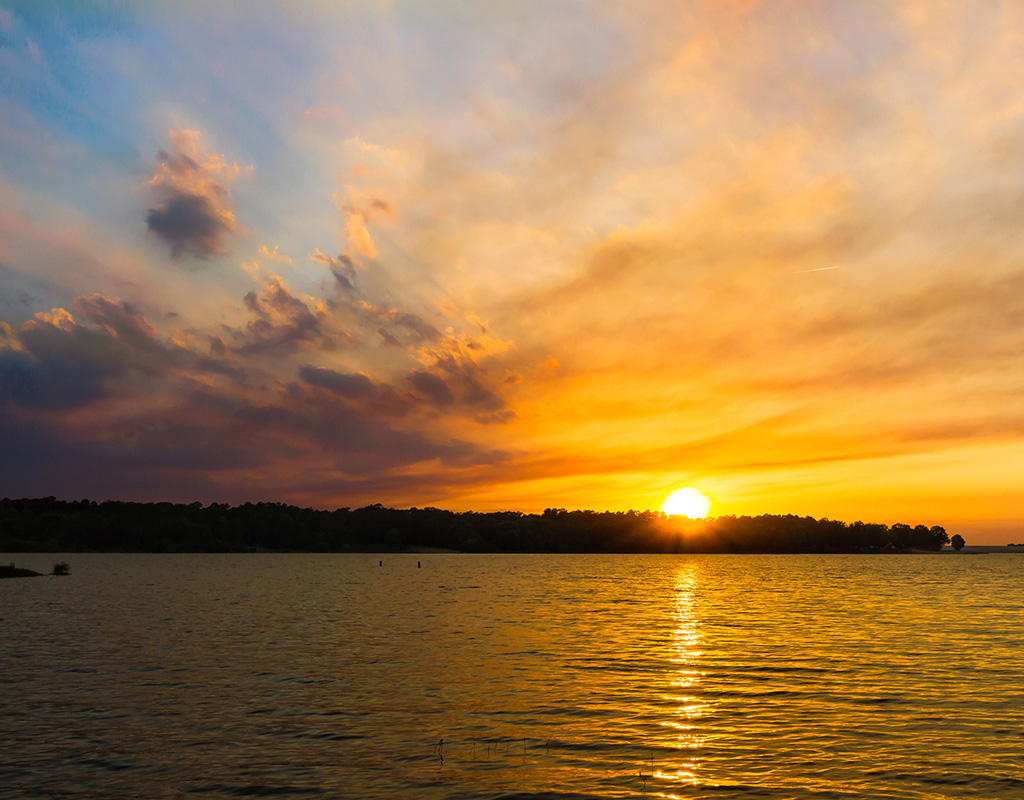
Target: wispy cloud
342	268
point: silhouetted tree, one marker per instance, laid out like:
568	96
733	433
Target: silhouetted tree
958	542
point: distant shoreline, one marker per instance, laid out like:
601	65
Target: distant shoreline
371	549
49	525
983	549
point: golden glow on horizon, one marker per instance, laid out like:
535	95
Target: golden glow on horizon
687	502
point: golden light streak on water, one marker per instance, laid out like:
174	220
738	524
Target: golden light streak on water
687	647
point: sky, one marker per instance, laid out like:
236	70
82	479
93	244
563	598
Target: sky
517	255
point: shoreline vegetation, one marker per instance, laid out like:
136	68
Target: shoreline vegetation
58	526
12	571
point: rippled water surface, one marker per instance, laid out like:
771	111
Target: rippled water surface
153	676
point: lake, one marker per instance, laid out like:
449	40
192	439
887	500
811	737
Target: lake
533	676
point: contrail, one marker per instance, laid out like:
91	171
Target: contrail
819	269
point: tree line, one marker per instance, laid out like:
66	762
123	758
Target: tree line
51	525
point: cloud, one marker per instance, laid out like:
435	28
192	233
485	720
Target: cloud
393	323
349	385
196	214
388	338
433	386
190	224
273	256
458	387
214	445
477	395
497	418
98	403
284	322
453	374
56	363
359	211
116	317
342	268
417	327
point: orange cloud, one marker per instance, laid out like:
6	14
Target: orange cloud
360	210
273	256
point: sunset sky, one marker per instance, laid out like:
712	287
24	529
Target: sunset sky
515	255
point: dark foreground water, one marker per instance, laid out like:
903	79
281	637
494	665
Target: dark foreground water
157	676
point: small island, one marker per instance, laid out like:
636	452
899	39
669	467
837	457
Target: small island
11	571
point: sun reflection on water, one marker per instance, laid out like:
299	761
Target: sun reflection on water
686	649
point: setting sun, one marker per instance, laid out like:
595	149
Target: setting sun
687	502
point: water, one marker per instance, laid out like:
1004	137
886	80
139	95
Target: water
159	676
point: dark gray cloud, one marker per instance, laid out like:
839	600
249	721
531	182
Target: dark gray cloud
283	322
59	367
477	395
190	224
194	215
55	363
432	386
26	382
116	316
360	443
349	385
416	325
453	377
388	338
342	268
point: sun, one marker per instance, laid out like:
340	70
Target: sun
687	502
